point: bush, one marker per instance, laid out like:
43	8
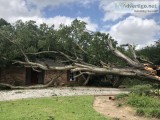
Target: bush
121	96
141	89
146	106
148	112
140	98
140	112
155	113
140	101
130	82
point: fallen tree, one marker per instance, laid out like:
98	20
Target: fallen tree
136	67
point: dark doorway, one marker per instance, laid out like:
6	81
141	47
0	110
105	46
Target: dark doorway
34	77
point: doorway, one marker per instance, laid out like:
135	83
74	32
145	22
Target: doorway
34	77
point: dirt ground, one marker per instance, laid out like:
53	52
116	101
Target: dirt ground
107	107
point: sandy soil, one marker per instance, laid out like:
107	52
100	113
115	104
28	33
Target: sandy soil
107	107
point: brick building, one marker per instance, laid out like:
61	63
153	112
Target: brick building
16	75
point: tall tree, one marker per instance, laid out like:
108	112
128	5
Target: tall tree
89	53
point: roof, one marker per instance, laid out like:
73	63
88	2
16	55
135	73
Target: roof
48	62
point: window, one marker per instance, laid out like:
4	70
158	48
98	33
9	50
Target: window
71	76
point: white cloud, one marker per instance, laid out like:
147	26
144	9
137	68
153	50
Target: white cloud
86	2
18	9
111	12
49	21
106	5
90	26
15	8
135	30
57	20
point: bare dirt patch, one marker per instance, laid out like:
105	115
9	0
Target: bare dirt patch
107	107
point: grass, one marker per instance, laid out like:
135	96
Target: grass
55	108
130	82
148	106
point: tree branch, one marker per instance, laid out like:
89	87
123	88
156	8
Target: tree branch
132	51
122	56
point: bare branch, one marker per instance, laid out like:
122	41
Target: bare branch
122	56
82	73
86	81
132	51
144	60
42	52
55	52
81	48
105	65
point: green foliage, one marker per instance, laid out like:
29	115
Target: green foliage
121	96
142	101
3	22
151	53
149	112
68	39
141	89
146	105
140	112
155	113
56	108
130	82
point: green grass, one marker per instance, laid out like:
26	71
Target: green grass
121	96
143	101
55	108
148	106
130	82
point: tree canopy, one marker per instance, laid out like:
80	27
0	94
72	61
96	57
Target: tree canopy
74	40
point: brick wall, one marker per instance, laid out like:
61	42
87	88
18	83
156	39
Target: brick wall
14	76
51	74
17	76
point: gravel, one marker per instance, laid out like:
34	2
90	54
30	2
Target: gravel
60	91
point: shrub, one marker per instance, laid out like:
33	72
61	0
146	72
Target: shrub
130	82
141	89
140	112
121	96
155	113
140	101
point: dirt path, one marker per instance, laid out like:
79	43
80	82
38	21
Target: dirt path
107	107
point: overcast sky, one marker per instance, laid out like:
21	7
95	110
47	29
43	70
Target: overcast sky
139	29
